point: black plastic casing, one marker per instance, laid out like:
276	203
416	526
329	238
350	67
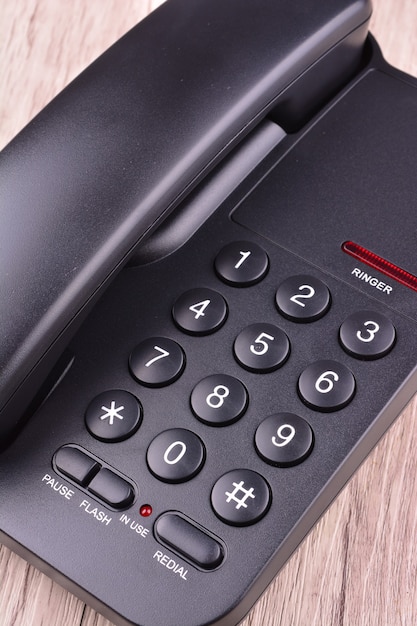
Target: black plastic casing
323	173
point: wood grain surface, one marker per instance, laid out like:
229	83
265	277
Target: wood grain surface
359	565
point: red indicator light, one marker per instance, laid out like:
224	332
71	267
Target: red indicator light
145	510
380	264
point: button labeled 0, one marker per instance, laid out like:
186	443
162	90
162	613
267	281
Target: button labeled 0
176	455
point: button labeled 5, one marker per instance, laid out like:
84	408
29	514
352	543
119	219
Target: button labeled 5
261	347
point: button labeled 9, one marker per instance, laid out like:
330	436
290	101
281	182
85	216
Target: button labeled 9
284	439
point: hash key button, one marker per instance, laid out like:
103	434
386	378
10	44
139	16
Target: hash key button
241	497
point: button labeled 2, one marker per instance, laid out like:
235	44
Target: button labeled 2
302	298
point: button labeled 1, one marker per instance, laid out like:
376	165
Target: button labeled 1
241	263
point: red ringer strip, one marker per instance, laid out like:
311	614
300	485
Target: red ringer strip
380	264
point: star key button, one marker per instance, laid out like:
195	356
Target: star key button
113	416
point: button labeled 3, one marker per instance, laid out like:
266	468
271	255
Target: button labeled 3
367	335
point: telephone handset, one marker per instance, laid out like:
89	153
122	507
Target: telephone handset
112	155
212	404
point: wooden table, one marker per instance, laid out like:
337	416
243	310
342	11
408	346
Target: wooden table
359	566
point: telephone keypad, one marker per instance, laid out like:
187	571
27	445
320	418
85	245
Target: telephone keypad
242	497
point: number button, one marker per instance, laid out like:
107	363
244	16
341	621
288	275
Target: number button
241	263
326	386
241	497
176	455
219	400
302	298
284	439
157	361
200	311
367	335
261	347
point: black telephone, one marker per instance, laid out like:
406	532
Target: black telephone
191	300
